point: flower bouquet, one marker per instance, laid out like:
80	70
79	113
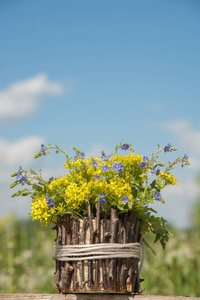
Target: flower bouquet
101	210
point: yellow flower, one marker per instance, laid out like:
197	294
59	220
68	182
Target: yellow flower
41	211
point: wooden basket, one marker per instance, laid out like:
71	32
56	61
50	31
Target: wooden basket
110	275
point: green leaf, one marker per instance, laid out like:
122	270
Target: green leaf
14	174
130	205
148	246
37	155
14	184
25	193
16	194
37	188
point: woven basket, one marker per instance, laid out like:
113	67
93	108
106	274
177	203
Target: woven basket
118	272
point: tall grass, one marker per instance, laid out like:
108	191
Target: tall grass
26	265
25	257
176	270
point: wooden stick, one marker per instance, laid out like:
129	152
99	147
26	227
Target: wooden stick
92	235
58	241
135	278
67	268
105	239
129	280
112	264
83	236
118	262
133	281
123	273
97	241
57	273
75	240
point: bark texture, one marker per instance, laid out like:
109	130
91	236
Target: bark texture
114	275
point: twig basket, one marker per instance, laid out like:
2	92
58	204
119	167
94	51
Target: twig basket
100	254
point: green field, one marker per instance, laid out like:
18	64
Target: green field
26	265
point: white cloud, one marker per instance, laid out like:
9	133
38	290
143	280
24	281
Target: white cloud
188	138
179	202
22	98
188	188
95	151
13	154
20	152
186	135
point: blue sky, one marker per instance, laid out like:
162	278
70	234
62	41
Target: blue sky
88	73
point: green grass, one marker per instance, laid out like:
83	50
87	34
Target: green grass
26	265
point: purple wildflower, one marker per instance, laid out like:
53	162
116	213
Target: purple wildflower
157	195
95	164
103	156
158	171
145	158
142	165
125	146
103	195
102	201
185	158
104	168
125	199
49	201
118	166
50	179
82	154
23	179
167	148
19	173
97	176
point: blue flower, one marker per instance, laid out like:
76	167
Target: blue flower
142	165
104	168
49	201
155	171
103	156
103	195
158	171
43	150
157	195
23	179
82	154
19	173
125	146
185	158
167	148
145	158
125	199
118	166
95	164
97	176
102	201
